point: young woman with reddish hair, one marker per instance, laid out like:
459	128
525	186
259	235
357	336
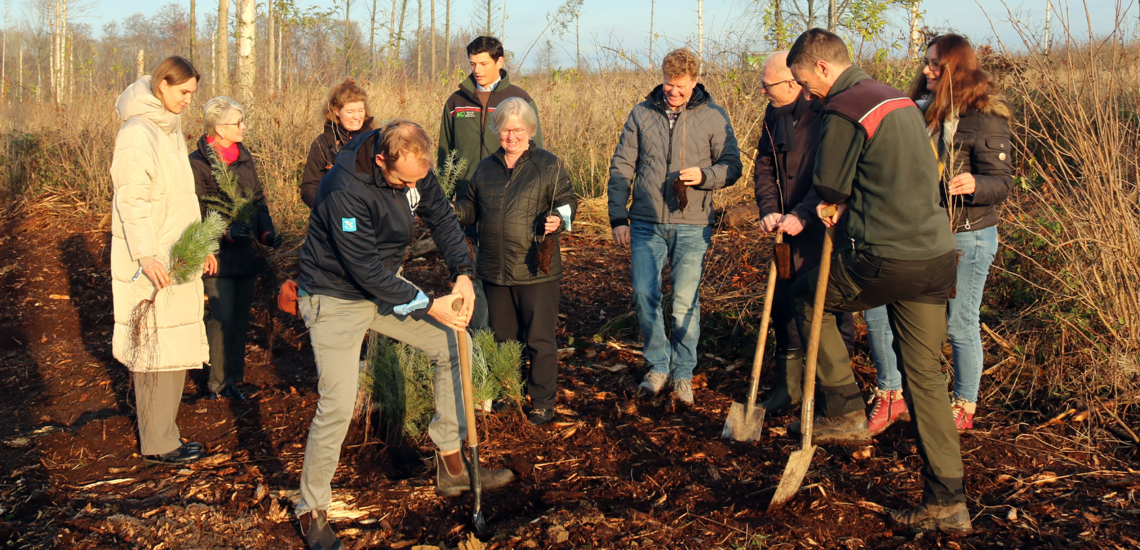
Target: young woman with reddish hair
346	114
969	126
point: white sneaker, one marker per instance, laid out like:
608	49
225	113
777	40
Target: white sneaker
683	390
652	383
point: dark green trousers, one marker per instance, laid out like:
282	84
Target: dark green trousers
230	301
915	293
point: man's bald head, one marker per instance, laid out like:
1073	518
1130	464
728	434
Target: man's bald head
777	81
775	67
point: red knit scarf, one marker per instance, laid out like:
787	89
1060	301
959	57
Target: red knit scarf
228	154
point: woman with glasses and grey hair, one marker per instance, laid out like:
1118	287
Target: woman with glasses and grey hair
230	289
521	200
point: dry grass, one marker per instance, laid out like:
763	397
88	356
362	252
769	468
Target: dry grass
64	153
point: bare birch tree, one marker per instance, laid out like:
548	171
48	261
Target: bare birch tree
915	33
419	39
447	35
222	64
247	54
193	28
433	73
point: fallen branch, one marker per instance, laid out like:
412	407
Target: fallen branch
999	340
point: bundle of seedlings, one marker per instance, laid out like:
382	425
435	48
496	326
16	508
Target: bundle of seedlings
547	244
187	256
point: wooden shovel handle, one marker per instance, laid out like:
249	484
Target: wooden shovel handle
807	414
762	339
465	376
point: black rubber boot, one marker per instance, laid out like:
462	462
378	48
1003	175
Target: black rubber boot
789	381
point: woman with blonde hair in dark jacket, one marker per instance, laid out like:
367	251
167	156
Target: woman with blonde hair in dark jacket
969	126
230	290
346	115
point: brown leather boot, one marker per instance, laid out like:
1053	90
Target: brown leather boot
447	485
954	518
847	429
318	533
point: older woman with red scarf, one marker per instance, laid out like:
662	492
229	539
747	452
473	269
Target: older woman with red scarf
230	290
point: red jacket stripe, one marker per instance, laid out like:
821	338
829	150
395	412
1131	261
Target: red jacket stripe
870	121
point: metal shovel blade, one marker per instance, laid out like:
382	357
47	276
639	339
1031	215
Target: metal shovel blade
793	478
740	427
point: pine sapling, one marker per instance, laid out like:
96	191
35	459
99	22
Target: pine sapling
187	256
236	203
453	167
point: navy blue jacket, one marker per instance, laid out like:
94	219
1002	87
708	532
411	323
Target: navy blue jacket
360	226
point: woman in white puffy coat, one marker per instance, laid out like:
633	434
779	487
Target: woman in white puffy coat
153	204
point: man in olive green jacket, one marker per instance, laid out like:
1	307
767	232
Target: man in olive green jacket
875	159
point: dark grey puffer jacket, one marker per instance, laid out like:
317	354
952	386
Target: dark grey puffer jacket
509	208
650	155
983	148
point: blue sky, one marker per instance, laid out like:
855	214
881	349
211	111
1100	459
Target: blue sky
626	22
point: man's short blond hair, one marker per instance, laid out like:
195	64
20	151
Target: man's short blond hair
404	138
681	62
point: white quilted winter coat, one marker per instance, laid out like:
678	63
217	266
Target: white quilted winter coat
153	204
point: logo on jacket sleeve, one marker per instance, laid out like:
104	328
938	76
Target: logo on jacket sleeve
348	225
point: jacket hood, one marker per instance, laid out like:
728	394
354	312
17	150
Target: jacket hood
700	97
468	84
138	100
997	106
359	163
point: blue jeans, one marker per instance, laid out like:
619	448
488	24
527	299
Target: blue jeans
977	249
684	246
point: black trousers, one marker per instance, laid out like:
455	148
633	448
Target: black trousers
529	314
230	301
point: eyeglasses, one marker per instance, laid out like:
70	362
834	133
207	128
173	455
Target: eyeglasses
517	132
934	64
240	122
766	86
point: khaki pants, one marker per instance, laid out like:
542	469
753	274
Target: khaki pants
337	328
157	397
916	294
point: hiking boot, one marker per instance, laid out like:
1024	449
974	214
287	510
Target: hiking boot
963	414
847	429
652	383
887	407
954	518
232	393
317	531
182	455
683	390
789	377
447	485
540	416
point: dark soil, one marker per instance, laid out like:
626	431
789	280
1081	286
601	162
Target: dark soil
608	473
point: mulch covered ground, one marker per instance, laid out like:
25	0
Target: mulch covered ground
609	473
